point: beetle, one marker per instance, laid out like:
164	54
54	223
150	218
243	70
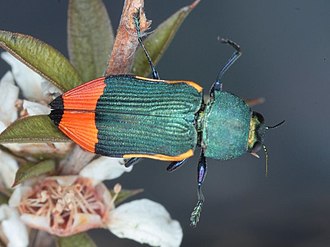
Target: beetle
133	117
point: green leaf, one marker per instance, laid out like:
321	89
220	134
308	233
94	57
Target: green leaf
78	240
125	194
32	170
34	129
42	58
158	41
90	37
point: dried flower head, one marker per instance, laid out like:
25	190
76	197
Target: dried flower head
66	205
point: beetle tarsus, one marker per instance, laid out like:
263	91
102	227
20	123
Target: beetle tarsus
232	43
196	213
173	166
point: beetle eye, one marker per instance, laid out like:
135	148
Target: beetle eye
256	147
259	117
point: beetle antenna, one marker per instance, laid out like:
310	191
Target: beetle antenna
264	147
275	126
266	157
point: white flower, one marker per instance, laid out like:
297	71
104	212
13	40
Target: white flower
8	168
65	205
8	113
34	108
147	222
12	227
8	98
31	83
105	168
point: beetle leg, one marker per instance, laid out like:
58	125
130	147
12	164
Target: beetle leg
175	165
201	173
217	86
132	161
155	74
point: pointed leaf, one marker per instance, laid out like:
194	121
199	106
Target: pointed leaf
33	129
42	58
78	240
158	41
90	37
125	194
32	170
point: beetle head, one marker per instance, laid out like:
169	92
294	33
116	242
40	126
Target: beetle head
256	133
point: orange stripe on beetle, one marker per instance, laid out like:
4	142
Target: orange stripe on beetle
163	157
85	96
74	113
80	127
190	83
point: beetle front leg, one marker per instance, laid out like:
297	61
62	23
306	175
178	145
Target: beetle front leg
155	74
201	173
217	86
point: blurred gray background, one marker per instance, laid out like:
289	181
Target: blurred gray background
286	53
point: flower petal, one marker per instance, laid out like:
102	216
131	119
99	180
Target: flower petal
34	108
12	227
17	195
8	168
8	97
105	168
50	89
28	80
3	126
82	222
147	222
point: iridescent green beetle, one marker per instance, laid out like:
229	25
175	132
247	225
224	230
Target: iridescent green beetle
134	117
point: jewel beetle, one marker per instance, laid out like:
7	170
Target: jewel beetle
133	117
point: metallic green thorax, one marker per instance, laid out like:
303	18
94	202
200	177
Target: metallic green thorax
225	126
139	116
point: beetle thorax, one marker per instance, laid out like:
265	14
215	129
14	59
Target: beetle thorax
226	125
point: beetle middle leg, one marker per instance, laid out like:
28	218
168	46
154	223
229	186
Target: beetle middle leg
155	74
201	174
132	161
175	165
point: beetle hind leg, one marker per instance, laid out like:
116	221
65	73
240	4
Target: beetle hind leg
201	174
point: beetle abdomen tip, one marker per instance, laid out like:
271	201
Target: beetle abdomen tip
56	116
57	103
57	110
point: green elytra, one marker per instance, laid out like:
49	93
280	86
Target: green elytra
226	126
139	116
